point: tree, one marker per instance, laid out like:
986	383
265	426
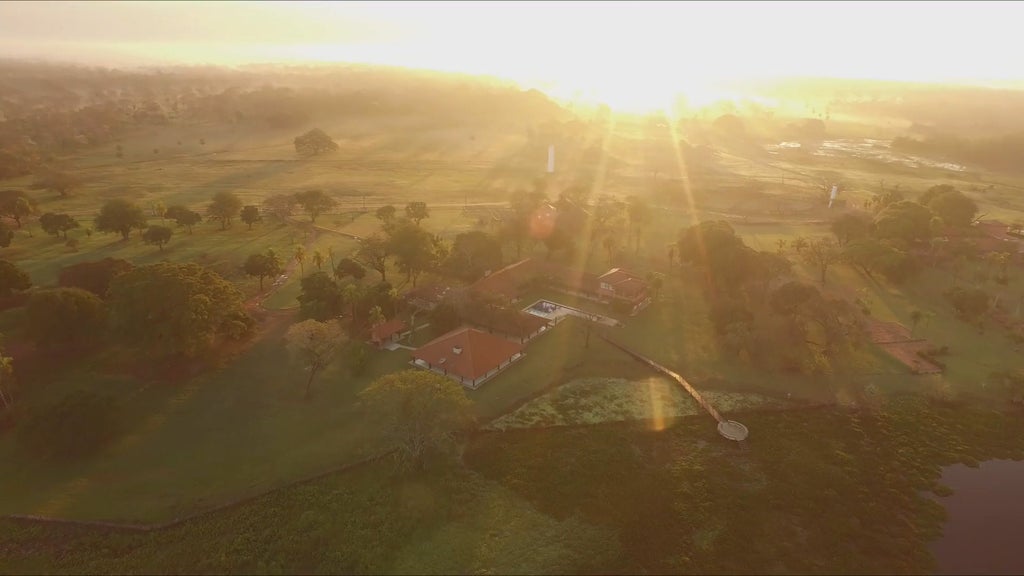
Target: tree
223	208
386	214
969	303
6	235
171	309
414	248
157	235
57	224
321	297
62	317
183	216
639	212
59	181
16	204
951	205
314	142
266	265
904	220
318	260
330	255
12	279
416	211
420	410
822	253
250	215
94	277
656	280
121	216
315	202
374	251
473	254
280	206
349	267
300	257
525	222
850	226
314	345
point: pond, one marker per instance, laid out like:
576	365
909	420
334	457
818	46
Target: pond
984	530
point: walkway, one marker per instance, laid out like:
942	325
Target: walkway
727	428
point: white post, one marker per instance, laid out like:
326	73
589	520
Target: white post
551	159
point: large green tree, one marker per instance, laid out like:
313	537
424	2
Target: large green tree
905	220
157	235
321	297
472	255
266	265
416	211
851	226
171	309
57	224
314	345
250	215
12	279
415	249
223	208
121	216
63	317
950	204
16	204
374	252
421	412
93	276
314	142
315	202
183	216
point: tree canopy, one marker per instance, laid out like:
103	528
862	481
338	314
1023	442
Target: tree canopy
905	220
314	142
321	297
121	216
473	254
250	215
61	317
420	410
224	206
12	279
416	211
157	235
93	276
315	202
57	224
950	204
183	216
171	309
314	345
16	204
264	265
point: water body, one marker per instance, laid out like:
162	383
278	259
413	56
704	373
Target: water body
984	531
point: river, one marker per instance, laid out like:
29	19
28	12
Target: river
984	531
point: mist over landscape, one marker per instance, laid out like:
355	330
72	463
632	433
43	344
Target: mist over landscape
511	287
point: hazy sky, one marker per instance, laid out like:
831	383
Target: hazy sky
599	46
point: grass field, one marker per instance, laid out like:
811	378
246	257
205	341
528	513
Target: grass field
610	499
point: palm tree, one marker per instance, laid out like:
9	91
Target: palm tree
318	259
300	257
330	253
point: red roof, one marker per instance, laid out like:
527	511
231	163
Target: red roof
467	352
386	330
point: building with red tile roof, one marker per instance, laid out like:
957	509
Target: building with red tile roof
387	331
467	355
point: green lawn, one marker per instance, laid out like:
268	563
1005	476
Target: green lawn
614	499
191	445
